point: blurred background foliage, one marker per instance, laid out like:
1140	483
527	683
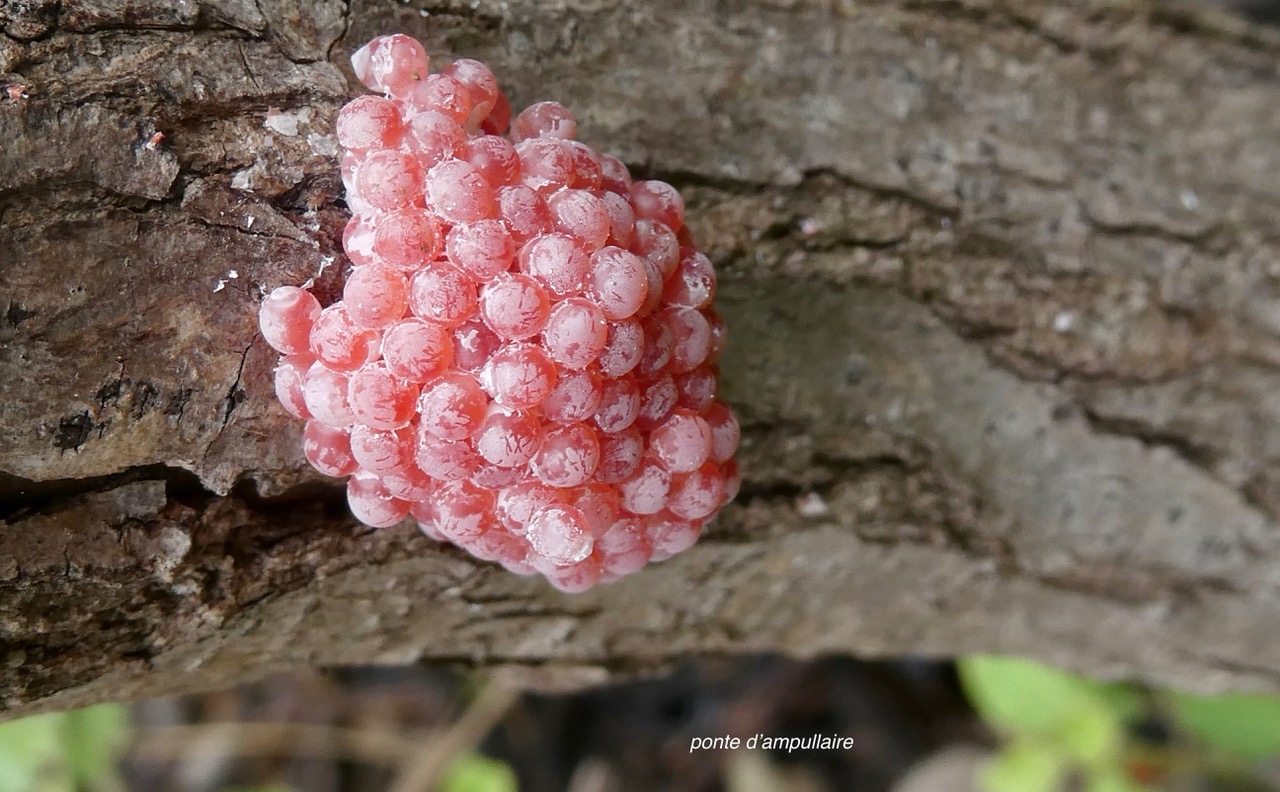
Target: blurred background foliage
982	724
64	751
1059	729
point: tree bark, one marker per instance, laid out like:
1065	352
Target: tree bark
1003	287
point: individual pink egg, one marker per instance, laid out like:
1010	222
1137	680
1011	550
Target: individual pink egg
324	392
546	164
409	483
508	438
390	179
459	193
495	157
393	64
443	294
519	376
696	494
567	457
340	343
575	397
657	200
575	333
328	449
369	122
623	350
544	119
725	432
473	344
480	84
515	306
375	296
290	376
483	249
624	548
681	443
380	399
620	455
372	504
693	284
462	510
517	504
452	406
670	534
657	400
445	460
619	404
615	176
406	239
435	138
417	350
524	212
580	215
560	535
697	388
382	450
556	261
617	282
690	337
286	317
442	94
645	490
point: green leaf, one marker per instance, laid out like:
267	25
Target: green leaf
1020	696
95	736
1024	767
1092	735
1124	701
475	773
1247	726
63	751
31	758
1113	780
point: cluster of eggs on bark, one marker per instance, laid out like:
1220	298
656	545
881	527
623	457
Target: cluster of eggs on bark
523	358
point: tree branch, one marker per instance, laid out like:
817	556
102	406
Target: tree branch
1001	284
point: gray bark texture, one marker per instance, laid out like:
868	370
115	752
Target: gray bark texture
1002	281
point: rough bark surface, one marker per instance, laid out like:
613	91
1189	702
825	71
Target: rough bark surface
1003	285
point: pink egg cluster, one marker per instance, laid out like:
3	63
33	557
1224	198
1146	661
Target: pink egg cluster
523	358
